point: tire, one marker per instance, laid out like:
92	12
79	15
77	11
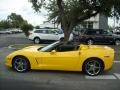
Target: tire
117	42
37	40
20	64
93	67
90	42
61	39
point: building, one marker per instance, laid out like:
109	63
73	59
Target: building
98	22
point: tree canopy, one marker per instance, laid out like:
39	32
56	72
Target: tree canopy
69	13
15	20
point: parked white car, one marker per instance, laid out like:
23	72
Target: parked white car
38	35
5	32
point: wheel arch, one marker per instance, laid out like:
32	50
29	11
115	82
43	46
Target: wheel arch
36	37
90	38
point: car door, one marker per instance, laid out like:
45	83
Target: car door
108	37
52	35
59	60
97	36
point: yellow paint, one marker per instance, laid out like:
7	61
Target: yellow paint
68	61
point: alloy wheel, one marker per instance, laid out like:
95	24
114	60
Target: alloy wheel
90	42
20	64
93	67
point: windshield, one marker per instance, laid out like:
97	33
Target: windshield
47	48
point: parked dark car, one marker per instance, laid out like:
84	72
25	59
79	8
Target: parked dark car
91	36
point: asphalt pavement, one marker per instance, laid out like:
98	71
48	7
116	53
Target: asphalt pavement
52	80
10	39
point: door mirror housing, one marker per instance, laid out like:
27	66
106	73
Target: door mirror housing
53	51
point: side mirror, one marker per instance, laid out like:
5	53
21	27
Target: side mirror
53	52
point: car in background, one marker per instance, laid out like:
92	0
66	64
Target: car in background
38	35
5	32
91	36
117	33
90	59
15	31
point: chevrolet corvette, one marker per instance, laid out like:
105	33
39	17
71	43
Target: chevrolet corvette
90	59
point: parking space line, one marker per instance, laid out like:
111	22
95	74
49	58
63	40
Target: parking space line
116	61
101	77
117	75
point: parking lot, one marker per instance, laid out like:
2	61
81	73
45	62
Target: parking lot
53	80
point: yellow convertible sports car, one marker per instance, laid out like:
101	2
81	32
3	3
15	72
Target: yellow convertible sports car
91	59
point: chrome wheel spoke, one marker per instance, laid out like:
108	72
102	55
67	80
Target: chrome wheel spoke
20	65
93	67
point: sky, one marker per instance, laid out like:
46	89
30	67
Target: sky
24	8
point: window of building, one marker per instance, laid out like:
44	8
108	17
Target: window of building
90	25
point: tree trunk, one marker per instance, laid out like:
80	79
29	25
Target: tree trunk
67	29
66	35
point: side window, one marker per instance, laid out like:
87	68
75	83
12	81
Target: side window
98	33
90	32
44	31
65	48
104	33
38	31
51	32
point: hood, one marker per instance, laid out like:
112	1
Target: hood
32	48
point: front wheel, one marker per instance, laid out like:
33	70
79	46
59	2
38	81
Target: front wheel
117	42
20	64
93	67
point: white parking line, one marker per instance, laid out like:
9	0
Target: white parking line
116	61
117	75
101	77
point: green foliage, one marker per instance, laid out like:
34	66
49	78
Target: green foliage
4	24
15	20
78	9
69	13
26	27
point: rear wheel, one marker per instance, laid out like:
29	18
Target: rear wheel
20	64
37	40
61	39
117	42
93	67
90	42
